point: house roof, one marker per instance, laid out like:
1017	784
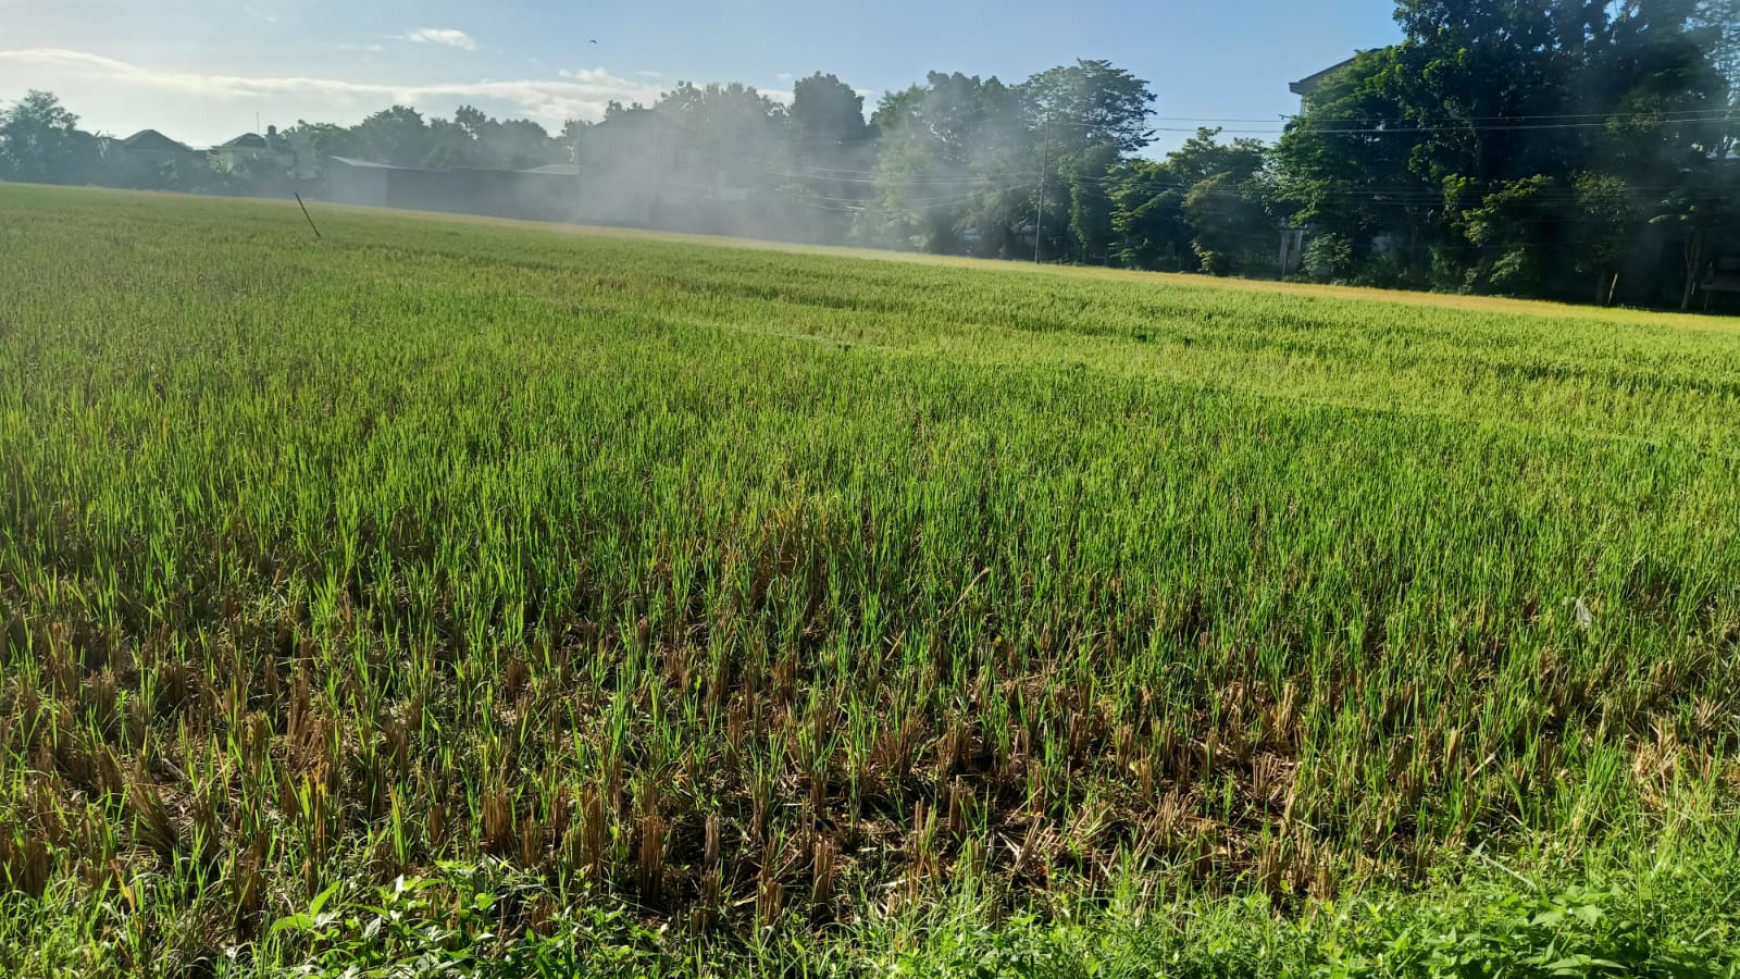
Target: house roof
1310	83
248	141
150	140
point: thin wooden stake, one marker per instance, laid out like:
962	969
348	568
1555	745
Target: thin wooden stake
317	235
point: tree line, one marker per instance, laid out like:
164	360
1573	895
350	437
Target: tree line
1567	149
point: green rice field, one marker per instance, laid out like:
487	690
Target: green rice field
517	600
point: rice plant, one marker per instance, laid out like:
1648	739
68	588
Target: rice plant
756	591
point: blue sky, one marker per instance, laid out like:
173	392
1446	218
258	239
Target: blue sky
200	70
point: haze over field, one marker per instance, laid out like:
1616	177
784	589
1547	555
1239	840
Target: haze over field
1558	150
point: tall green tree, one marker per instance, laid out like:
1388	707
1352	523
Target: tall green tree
312	144
1703	212
1088	116
1350	176
1470	149
826	117
398	136
1722	19
1207	207
40	141
1087	175
1091	103
740	127
830	157
1517	230
955	171
1149	227
475	139
1231	230
1604	225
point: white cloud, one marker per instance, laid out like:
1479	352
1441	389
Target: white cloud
444	36
371	48
785	76
137	96
650	74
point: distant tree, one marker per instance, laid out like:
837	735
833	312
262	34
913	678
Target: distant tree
1656	76
472	122
740	131
1517	231
475	139
829	155
446	144
920	151
1091	103
1088	115
1721	18
313	144
1604	225
398	136
1471	146
1465	63
1087	175
567	148
826	115
1203	156
950	175
615	109
521	144
1350	177
572	129
1506	103
729	118
1149	228
1231	230
1206	206
40	141
1704	212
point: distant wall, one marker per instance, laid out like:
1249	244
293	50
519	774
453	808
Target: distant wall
360	186
496	193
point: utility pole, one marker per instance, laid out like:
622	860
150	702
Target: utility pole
1044	167
579	205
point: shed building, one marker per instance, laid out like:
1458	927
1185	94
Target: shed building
546	194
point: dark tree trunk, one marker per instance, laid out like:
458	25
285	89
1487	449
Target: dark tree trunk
1694	252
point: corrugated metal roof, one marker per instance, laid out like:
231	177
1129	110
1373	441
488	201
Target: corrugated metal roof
365	164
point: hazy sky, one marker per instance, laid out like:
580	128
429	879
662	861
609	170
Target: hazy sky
201	70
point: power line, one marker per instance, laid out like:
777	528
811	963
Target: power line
1722	111
1593	120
